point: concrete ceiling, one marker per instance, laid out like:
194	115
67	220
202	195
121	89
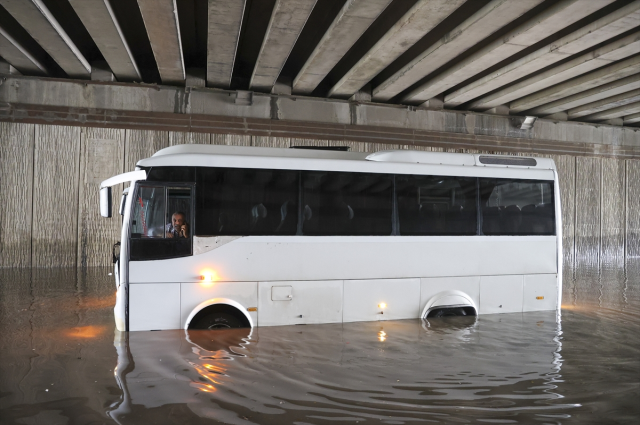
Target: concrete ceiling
576	60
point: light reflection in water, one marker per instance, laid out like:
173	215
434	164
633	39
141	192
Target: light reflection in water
497	367
382	336
59	364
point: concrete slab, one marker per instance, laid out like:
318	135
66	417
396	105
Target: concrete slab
415	24
45	29
603	29
620	111
352	21
632	119
597	93
553	19
596	78
580	65
18	56
161	20
477	27
224	22
287	20
604	104
101	23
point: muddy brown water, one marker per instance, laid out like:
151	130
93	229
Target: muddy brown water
62	362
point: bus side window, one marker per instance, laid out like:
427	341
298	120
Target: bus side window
245	202
178	212
341	203
517	207
436	205
159	213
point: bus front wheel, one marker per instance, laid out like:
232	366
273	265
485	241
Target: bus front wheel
219	317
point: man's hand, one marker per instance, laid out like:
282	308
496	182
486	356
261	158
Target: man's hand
169	234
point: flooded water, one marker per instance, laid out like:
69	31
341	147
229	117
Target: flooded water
63	363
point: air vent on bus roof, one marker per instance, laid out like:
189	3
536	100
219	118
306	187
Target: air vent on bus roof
508	160
323	148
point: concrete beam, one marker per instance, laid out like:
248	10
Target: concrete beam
224	23
195	77
287	20
100	71
101	23
596	78
436	103
352	21
143	106
7	68
560	116
551	20
632	119
15	54
161	21
603	29
604	104
362	95
597	93
620	111
499	110
415	24
477	27
580	65
34	17
282	86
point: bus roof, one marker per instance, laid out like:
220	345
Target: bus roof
219	155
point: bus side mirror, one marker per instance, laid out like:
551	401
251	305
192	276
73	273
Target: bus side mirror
105	202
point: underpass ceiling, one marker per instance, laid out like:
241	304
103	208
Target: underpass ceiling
576	60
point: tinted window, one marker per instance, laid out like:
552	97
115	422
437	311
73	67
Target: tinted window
517	207
160	222
149	212
436	205
337	203
171	174
234	201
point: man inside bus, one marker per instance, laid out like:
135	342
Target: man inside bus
178	228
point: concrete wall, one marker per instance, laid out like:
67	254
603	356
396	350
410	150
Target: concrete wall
50	175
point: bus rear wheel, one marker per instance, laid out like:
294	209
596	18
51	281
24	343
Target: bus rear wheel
447	312
219	317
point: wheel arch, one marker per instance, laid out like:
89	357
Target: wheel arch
218	301
448	299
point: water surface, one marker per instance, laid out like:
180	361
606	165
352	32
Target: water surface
64	363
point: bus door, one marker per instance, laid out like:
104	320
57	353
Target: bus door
161	221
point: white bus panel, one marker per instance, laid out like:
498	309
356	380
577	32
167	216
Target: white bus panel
218	236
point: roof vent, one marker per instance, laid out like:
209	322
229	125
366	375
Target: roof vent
508	160
323	148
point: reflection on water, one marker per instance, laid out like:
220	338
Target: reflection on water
63	362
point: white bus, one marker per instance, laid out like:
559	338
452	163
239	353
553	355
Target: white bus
222	236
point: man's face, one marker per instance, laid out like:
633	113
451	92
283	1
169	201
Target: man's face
177	220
